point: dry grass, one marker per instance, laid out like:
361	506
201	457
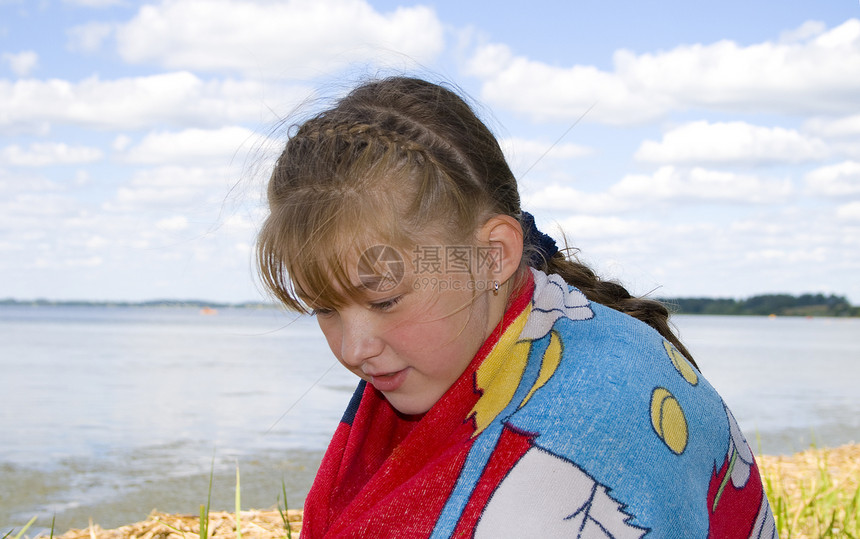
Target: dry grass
256	524
815	493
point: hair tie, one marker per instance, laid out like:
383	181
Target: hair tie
543	244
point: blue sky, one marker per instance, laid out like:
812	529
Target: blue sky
718	155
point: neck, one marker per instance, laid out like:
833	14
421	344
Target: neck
501	301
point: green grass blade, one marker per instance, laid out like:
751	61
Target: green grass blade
172	527
25	528
285	513
238	505
204	511
203	531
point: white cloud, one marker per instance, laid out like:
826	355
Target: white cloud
814	73
121	143
666	185
20	183
172	224
839	127
849	212
169	187
179	98
787	255
699	184
594	227
806	31
820	74
245	224
276	39
524	153
46	154
777	250
732	142
89	37
193	146
51	230
840	180
551	93
96	242
22	63
534	149
95	3
82	177
83	262
31	215
562	197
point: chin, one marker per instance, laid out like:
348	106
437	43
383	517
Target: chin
409	407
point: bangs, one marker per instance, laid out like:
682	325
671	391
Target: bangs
334	272
310	248
340	188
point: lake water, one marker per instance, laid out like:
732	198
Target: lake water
109	413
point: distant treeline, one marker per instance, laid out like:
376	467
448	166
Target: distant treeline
193	303
766	305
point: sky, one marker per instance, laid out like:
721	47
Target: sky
684	148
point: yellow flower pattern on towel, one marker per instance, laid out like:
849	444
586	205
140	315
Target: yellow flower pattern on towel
681	364
551	359
667	415
499	375
668	420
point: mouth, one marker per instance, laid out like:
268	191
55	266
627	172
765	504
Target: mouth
390	381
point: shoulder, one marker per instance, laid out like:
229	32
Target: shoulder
619	386
588	329
619	404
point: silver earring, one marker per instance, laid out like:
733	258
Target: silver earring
495	288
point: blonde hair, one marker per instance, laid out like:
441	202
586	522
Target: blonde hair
394	161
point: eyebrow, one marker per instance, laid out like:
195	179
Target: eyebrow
371	282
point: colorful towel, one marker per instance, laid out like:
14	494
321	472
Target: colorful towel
574	420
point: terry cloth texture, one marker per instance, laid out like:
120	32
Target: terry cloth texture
573	420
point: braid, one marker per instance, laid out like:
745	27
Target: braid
357	132
365	135
392	132
416	148
615	296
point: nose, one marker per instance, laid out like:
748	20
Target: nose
360	340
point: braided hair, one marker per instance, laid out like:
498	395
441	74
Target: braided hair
398	160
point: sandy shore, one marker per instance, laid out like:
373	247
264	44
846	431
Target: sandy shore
793	472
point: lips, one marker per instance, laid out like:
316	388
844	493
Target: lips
390	381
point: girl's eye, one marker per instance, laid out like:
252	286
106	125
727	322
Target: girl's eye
385	305
322	311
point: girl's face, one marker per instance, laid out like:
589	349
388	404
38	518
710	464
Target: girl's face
411	337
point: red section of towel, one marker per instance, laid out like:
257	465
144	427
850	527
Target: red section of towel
387	471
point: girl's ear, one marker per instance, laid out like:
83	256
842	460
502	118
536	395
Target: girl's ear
504	237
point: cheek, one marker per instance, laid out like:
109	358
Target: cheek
435	347
333	335
406	339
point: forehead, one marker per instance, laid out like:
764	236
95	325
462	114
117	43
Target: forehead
355	254
333	277
381	268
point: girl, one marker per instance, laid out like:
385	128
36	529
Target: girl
505	390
